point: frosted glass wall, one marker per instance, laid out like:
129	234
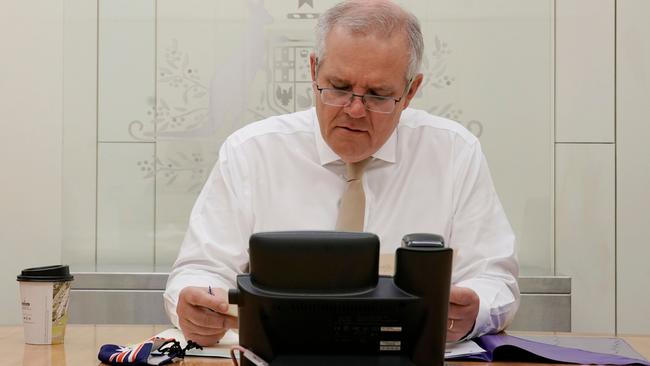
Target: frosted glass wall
174	78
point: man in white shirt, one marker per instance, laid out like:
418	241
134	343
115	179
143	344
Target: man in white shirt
424	174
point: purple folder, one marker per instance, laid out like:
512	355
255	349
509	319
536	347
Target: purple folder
503	347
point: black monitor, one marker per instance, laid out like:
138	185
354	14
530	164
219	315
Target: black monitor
316	298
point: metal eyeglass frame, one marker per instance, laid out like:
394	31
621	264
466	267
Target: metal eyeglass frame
363	97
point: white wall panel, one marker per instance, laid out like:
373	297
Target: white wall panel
585	232
79	134
125	207
183	167
126	75
186	47
30	142
585	71
474	75
633	166
190	42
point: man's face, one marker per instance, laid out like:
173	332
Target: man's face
363	65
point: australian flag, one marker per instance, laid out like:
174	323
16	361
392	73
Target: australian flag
145	353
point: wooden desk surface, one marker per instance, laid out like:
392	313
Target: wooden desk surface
82	343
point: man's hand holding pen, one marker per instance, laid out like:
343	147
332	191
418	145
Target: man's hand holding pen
203	314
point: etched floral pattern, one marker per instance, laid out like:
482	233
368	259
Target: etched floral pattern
437	78
169	168
178	75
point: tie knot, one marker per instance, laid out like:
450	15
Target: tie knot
355	170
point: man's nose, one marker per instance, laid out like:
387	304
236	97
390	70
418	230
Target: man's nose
356	108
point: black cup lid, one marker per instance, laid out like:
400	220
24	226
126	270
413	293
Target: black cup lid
57	273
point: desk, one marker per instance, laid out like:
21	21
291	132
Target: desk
82	343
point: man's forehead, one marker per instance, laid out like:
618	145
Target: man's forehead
369	58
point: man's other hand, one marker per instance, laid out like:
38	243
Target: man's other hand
202	317
463	309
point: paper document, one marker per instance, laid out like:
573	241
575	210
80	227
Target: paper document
463	348
221	349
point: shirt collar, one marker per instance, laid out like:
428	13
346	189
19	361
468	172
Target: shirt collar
326	155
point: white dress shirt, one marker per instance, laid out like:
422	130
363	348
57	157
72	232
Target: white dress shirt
279	174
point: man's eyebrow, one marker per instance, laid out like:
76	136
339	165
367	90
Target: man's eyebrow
337	80
381	88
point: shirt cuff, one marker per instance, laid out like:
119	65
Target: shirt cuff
497	305
482	321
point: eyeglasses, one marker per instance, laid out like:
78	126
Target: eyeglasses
374	103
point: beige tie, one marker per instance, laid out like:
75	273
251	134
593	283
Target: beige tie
353	203
387	264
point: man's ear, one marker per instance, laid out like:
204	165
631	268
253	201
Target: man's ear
313	63
415	85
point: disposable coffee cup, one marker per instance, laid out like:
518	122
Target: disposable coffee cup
44	294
